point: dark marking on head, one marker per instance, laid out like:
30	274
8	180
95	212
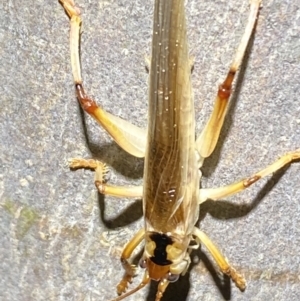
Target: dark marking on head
160	253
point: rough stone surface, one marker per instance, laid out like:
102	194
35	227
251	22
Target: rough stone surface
59	239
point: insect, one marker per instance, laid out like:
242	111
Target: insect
173	158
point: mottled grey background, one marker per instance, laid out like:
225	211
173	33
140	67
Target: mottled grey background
59	239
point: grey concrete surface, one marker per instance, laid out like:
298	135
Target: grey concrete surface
59	239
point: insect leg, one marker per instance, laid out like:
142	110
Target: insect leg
221	192
206	142
130	137
129	268
161	289
101	169
220	259
144	282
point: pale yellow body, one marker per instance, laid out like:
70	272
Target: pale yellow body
171	192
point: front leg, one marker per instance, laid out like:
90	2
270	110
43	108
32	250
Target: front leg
129	268
220	259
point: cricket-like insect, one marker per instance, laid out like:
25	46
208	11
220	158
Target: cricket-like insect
171	194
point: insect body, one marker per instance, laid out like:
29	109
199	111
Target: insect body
171	194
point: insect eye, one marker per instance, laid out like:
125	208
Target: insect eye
142	263
172	277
